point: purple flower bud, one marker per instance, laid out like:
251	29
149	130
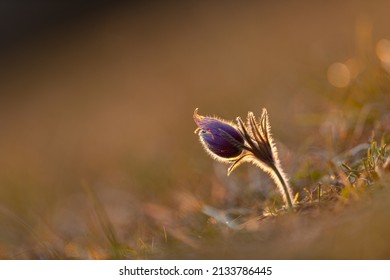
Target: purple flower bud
218	137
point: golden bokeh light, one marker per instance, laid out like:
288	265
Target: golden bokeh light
339	75
383	50
383	53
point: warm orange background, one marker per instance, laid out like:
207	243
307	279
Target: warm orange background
106	99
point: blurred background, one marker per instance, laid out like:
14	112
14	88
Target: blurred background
97	97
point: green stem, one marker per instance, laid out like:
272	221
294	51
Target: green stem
284	185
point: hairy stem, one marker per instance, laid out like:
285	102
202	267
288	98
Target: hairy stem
282	181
